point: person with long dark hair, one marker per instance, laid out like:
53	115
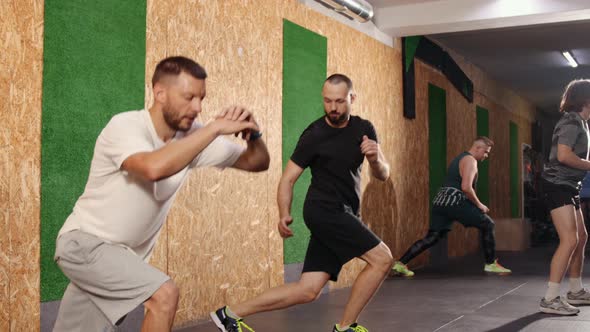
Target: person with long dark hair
567	166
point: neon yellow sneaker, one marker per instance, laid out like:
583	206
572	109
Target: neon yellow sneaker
227	323
352	328
401	269
495	267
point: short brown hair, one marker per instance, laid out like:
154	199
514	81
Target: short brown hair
339	78
485	140
575	96
173	66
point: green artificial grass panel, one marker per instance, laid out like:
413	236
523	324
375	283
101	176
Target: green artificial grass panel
93	68
437	138
304	72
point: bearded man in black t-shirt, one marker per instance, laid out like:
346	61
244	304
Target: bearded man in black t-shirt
334	148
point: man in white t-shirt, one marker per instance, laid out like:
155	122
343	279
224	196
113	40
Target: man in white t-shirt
141	160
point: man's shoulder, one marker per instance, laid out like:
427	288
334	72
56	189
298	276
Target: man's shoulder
130	117
125	122
359	121
314	126
466	158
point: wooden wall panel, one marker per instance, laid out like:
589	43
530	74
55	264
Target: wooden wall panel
157	17
221	226
375	69
4	229
500	156
460	133
8	35
222	242
222	217
218	215
461	122
461	130
274	139
499	159
21	33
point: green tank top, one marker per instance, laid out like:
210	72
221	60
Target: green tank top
454	176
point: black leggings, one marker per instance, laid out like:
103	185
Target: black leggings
486	231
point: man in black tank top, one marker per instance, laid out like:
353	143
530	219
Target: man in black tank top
457	200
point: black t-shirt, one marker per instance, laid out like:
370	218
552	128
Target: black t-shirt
335	158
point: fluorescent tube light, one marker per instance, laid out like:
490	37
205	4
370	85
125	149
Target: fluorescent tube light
570	58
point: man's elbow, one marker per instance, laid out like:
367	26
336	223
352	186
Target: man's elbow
466	188
146	170
383	176
154	173
261	165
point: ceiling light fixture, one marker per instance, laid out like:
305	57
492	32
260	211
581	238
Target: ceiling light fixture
570	58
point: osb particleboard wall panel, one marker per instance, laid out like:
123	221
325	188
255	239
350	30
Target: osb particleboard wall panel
222	223
21	37
504	105
375	69
461	121
4	198
460	133
499	168
220	218
461	130
274	137
157	18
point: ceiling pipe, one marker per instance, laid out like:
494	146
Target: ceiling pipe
359	10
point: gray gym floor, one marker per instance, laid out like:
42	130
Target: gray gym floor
455	297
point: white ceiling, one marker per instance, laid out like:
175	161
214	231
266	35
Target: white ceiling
527	59
406	18
517	42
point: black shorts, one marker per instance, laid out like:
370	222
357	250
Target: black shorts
337	236
556	196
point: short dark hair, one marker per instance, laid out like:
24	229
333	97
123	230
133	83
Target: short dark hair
575	96
339	78
485	140
174	65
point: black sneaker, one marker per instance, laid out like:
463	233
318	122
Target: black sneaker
226	323
352	328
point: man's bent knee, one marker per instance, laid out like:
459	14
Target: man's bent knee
380	257
309	289
309	293
165	299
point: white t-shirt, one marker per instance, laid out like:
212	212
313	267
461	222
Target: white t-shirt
123	209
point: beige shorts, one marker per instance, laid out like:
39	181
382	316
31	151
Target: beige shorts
106	283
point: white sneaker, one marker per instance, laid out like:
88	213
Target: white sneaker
558	306
581	297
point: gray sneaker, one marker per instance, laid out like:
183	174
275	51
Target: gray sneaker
581	297
557	306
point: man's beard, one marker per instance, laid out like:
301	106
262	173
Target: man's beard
338	120
172	120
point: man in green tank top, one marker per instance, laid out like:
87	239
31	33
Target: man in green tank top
456	200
